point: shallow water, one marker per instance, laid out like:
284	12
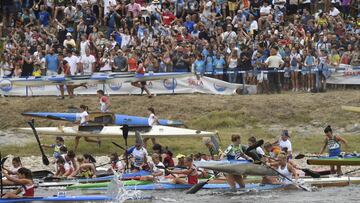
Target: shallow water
339	194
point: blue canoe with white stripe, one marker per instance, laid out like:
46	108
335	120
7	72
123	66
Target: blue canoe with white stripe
102	118
96	78
80	198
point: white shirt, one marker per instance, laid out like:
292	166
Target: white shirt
152	120
286	144
265	10
106	66
83	46
254	26
274	61
334	12
83	116
260	151
107	4
87	62
139	156
73	61
155	168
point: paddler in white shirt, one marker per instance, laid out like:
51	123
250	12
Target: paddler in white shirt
285	143
84	119
152	121
286	169
157	169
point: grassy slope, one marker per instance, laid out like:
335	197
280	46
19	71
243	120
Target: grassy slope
247	115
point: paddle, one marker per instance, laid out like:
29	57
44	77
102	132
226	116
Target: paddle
195	188
121	147
125	131
352	171
1	180
289	179
301	156
311	173
45	160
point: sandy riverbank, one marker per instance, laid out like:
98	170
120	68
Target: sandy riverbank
264	116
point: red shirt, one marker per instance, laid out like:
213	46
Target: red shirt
168	18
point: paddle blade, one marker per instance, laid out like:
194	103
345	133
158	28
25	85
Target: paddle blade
299	156
195	188
3	161
311	173
45	160
254	146
125	131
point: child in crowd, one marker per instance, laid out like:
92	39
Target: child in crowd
116	164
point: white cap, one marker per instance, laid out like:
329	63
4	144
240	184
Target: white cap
68	34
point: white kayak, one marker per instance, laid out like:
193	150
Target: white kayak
115	131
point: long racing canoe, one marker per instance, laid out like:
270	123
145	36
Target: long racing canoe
102	118
115	131
238	167
351	108
340	161
96	78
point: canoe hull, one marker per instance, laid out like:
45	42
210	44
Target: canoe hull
355	161
119	119
115	131
242	169
351	108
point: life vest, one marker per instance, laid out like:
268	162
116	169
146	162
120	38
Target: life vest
192	178
28	190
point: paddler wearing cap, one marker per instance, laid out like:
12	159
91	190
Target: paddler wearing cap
285	143
235	151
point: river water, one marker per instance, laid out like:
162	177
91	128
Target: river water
322	195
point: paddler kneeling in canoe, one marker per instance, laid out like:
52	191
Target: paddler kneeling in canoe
157	169
24	178
235	151
85	169
282	166
190	172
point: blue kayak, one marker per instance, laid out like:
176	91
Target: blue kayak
102	118
69	199
169	186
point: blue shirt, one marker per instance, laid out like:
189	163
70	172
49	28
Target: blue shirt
199	66
219	63
209	64
189	26
44	18
52	62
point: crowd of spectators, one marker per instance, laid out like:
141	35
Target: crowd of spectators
211	37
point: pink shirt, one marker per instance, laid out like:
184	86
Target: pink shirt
134	9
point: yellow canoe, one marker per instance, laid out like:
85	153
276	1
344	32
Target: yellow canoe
351	108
